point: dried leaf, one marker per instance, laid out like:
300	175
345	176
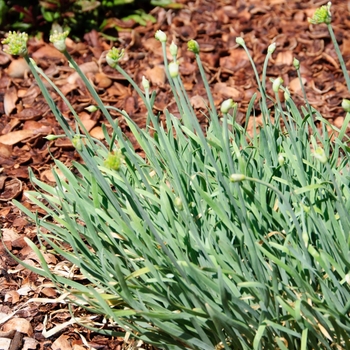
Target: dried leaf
18	68
10	100
16	136
20	325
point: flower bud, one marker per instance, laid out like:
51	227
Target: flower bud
193	46
271	48
178	203
145	83
91	108
237	177
59	40
52	137
320	154
77	142
161	36
296	63
173	69
276	84
287	95
346	105
173	50
240	41
281	159
227	105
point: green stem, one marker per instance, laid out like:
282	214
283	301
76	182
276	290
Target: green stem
340	57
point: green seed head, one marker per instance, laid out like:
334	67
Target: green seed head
193	46
322	15
16	43
281	160
114	160
113	56
59	40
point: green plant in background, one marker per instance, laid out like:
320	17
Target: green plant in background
220	239
42	15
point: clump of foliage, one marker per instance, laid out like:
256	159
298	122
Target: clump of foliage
216	240
40	15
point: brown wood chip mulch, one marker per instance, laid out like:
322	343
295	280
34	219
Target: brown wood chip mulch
25	120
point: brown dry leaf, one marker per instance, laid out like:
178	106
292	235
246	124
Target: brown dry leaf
87	121
284	57
20	325
12	188
238	59
87	67
12	297
48	52
102	81
62	343
10	100
156	75
49	292
294	84
47	175
16	136
29	344
227	91
5	150
18	68
97	133
37	127
29	114
8	234
198	102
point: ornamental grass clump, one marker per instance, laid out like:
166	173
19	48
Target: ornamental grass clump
215	240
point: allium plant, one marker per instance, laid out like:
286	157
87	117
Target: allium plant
215	240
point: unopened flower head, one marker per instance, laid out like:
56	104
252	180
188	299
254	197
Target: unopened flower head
91	108
59	40
322	15
240	41
277	84
113	56
145	83
237	177
320	155
16	43
173	50
296	63
287	96
281	159
271	48
173	69
77	142
178	203
227	105
193	46
161	36
346	105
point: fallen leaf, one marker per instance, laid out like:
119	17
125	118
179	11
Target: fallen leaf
47	52
156	75
10	100
97	133
18	68
16	136
20	325
61	343
87	67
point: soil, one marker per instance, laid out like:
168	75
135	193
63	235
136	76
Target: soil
32	315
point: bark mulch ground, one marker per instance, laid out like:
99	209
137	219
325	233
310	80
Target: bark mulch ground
31	315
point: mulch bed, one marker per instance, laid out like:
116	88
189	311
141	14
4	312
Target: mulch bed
26	120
